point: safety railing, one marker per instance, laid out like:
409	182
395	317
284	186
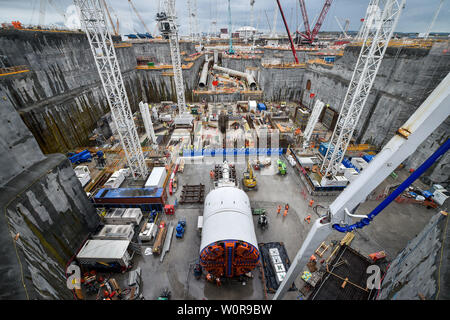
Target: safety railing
191	152
13	70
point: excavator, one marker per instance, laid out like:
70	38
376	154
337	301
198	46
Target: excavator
249	180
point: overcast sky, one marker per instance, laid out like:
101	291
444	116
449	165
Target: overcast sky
416	16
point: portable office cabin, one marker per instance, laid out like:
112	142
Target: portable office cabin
115	232
156	178
83	174
115	180
121	216
105	254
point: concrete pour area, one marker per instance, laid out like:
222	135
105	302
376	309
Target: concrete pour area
390	232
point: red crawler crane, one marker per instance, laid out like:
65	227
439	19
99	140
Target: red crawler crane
288	32
311	35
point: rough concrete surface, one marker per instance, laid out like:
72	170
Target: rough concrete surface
47	210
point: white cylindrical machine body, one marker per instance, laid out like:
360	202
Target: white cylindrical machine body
250	80
204	74
228	233
227	216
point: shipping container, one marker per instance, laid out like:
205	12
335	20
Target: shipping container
121	216
146	199
115	232
115	181
156	178
105	254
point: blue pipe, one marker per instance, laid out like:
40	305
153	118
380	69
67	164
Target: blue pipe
416	174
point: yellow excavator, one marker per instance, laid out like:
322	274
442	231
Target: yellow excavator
249	180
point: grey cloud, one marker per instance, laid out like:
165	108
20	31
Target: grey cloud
415	18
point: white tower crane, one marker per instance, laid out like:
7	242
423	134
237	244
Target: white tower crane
252	3
196	29
434	20
342	29
372	13
93	21
429	116
372	51
167	25
191	20
274	26
42	6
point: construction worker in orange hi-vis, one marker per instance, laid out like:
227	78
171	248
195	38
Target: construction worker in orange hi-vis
279	209
286	208
308	219
211	174
311	202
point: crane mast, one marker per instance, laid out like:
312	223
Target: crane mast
311	35
340	26
305	17
230	49
346	25
42	6
92	18
294	53
434	20
139	16
252	3
116	33
167	25
321	18
274	25
372	51
191	20
369	19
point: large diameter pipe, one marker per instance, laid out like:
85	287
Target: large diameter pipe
250	80
204	75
